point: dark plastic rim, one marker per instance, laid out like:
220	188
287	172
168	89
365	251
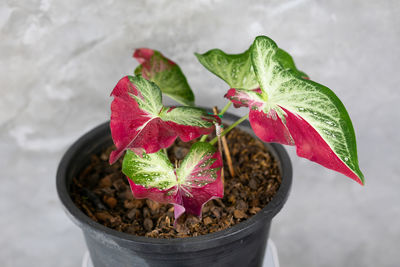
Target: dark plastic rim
102	132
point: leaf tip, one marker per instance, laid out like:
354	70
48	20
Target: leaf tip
361	179
142	54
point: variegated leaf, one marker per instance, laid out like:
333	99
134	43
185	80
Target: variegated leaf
165	73
149	170
315	117
236	70
194	121
200	177
140	121
245	98
290	109
196	181
287	62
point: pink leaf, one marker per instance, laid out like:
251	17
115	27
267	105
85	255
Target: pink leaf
195	182
288	129
200	174
269	127
139	120
244	98
310	145
260	121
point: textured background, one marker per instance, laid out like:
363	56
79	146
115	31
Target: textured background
60	60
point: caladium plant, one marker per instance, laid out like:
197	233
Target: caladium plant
285	106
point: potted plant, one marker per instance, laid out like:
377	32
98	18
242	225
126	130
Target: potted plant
284	107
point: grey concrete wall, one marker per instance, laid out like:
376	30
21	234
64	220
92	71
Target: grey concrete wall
59	61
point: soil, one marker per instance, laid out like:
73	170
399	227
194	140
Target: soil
102	192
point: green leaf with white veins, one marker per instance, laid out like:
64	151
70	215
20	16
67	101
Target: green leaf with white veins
288	63
150	98
310	111
235	69
195	169
196	181
187	116
149	170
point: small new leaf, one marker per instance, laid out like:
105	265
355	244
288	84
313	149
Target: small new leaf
165	73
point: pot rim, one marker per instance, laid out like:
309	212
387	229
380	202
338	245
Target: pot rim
188	243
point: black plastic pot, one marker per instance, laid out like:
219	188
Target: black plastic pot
242	245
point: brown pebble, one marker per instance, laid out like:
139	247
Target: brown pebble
255	202
238	214
254	210
232	199
191	220
111	202
105	182
103	216
119	185
104	157
206	208
181	228
152	205
135	203
127	194
241	205
154	234
146	212
133	213
216	212
128	204
148	224
207	220
253	184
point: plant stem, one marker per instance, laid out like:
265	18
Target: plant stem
227	130
204	137
225	108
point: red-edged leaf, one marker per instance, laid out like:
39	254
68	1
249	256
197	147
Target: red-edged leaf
200	177
295	131
259	120
195	182
139	120
269	127
310	145
290	109
165	73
